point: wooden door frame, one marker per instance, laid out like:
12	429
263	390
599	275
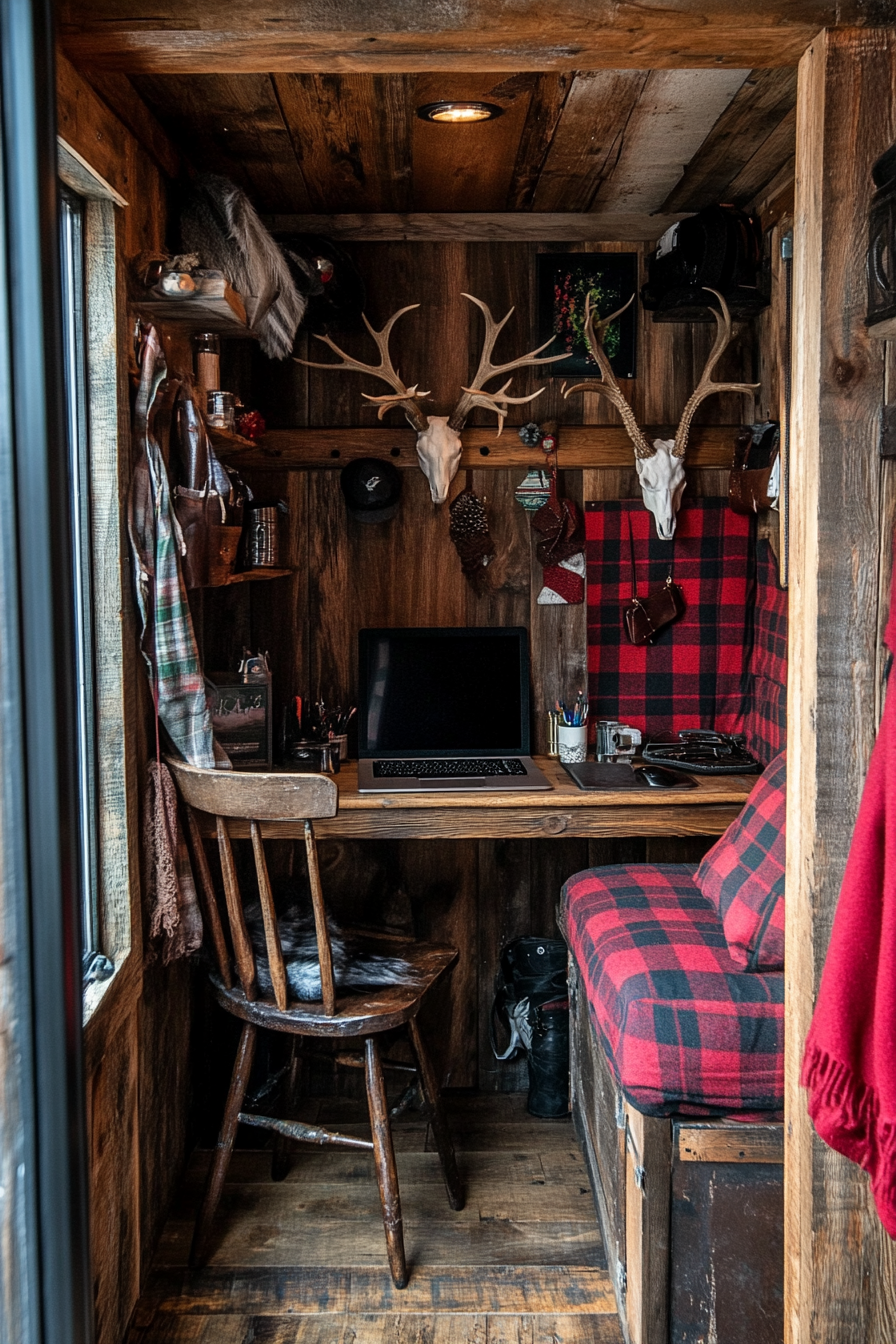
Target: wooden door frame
838	1259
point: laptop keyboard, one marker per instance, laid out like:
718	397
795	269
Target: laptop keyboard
451	768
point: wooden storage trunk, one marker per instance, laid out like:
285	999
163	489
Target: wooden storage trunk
691	1211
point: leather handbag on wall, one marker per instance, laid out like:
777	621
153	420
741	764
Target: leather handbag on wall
209	504
645	617
755	454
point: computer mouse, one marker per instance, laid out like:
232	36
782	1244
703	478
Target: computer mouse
660	778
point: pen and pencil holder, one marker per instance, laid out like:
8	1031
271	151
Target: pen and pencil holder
572	742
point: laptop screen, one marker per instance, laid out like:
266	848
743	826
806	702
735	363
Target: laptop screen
443	692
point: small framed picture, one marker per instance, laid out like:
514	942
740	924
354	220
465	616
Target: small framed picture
564	280
241	718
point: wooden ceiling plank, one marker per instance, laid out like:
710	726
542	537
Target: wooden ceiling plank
549	94
467	167
352	137
588	137
664	131
761	104
772	157
478	228
231	124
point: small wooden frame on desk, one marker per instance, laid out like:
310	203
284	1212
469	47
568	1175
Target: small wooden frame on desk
565	811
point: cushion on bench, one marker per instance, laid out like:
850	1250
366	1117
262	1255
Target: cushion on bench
685	1029
742	876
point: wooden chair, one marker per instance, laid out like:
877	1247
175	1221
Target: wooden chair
256	799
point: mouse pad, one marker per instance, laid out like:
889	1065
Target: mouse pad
601	775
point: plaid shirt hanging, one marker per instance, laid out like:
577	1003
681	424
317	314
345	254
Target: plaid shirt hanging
167	640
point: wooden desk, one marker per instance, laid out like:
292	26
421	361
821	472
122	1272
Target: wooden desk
563	811
478	869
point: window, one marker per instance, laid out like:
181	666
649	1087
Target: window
74	319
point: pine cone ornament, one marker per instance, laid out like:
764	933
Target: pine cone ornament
469	531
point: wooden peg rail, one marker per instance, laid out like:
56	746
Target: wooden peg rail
579	446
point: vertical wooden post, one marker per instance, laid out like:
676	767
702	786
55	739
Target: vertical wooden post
838	1287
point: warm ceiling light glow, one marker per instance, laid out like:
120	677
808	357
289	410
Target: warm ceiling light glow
458	113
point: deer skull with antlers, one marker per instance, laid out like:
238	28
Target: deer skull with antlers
438	436
660	465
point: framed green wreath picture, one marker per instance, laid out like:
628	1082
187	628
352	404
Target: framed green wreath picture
563	282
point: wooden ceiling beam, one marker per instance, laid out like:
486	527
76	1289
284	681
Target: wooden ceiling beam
326	36
512	227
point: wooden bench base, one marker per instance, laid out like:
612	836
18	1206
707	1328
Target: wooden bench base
691	1211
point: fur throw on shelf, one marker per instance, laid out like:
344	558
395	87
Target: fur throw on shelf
219	223
355	964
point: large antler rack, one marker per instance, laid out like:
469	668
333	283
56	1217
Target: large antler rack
706	387
608	386
408	398
498	402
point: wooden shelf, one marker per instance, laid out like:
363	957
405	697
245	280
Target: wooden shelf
225	441
218	308
250	575
581	446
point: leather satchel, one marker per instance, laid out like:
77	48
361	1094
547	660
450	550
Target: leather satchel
209	504
755	454
645	617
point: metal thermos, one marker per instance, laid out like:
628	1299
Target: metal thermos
263	550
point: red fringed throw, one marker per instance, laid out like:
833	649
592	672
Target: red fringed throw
849	1065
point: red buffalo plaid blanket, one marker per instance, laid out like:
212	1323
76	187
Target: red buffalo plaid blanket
695	674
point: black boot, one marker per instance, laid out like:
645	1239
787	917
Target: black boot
548	1060
532	1001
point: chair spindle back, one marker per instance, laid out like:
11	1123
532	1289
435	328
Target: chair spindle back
256	799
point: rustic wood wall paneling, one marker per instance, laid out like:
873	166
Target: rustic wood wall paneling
137	1040
407	572
839	1263
113	1111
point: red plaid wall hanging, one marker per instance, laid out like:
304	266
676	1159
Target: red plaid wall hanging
695	675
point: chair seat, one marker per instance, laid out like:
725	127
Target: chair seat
358	1013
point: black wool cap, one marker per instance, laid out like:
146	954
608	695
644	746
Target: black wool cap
372	489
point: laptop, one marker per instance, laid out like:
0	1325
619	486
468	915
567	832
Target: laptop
445	710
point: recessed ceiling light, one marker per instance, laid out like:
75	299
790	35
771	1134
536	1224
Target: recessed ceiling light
458	113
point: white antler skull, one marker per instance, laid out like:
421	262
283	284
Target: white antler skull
439	436
660	464
662	485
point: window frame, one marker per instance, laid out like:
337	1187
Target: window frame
116	874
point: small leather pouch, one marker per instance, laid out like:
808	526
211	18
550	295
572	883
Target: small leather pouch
755	455
645	617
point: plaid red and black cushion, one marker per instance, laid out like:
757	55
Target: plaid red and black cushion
695	674
765	723
685	1029
742	876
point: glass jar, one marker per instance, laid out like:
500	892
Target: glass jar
207	353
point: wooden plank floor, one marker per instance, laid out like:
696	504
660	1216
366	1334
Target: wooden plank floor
303	1261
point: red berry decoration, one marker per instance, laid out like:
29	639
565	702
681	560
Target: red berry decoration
251	424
